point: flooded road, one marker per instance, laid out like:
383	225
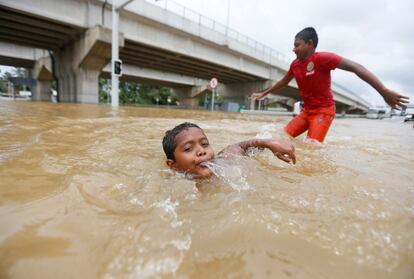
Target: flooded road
85	193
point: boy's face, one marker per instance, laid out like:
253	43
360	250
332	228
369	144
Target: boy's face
302	49
192	152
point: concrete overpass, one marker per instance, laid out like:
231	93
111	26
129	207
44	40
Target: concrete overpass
157	46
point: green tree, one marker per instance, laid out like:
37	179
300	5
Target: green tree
5	76
135	93
104	90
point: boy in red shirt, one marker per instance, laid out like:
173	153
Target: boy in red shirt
312	71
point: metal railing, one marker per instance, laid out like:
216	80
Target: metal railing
205	21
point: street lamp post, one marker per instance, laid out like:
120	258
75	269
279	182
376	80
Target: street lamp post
115	56
115	52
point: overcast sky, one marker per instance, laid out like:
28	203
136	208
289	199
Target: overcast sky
378	34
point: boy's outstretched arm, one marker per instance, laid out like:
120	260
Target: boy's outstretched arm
284	150
392	98
278	85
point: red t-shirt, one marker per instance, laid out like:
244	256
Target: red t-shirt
313	76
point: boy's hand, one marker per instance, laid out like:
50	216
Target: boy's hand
395	100
257	96
283	150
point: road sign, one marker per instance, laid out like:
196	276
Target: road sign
213	83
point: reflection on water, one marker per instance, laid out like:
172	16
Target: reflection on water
82	186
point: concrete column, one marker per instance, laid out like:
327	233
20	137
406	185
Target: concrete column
78	66
236	92
186	99
76	84
42	91
342	109
87	85
252	104
43	74
65	74
241	92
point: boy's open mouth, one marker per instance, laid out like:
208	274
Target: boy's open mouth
203	164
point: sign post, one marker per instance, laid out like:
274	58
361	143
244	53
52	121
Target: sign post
115	57
213	85
116	64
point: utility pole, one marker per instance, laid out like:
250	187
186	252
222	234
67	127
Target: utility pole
115	56
115	53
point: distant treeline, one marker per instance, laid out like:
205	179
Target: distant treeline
7	74
135	93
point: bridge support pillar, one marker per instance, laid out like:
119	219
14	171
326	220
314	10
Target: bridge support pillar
241	92
186	97
43	74
342	108
77	85
236	92
79	65
42	91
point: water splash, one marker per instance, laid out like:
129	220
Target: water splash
169	212
266	131
230	173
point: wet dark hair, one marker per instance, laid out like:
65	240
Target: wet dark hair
168	142
307	34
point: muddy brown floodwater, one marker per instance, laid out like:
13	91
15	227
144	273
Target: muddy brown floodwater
85	193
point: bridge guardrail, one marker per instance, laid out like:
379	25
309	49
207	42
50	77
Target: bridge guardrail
205	21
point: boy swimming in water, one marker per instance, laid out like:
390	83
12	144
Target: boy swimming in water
188	150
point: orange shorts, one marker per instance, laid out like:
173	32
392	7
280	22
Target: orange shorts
316	121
